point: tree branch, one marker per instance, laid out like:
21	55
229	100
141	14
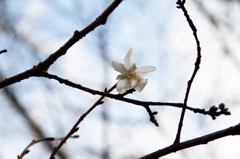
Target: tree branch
180	4
121	97
234	130
43	66
16	104
75	127
26	150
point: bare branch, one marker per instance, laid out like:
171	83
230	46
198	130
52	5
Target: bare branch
16	104
26	150
180	4
213	111
75	127
43	66
152	115
234	130
132	101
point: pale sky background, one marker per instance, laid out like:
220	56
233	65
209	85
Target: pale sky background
160	36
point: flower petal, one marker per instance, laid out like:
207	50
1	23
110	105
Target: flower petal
144	70
119	67
141	84
128	59
123	85
134	82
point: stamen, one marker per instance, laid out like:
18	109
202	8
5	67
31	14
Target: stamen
132	72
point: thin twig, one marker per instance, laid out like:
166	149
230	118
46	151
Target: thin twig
197	66
152	115
26	150
121	97
213	111
234	130
96	92
75	127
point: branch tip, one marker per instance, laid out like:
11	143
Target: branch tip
3	51
27	151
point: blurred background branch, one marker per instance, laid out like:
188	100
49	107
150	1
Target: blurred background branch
31	31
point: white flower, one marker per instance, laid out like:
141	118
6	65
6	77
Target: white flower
131	76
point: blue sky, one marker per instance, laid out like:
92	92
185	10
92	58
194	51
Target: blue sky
160	36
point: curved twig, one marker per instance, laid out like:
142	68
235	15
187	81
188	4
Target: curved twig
180	4
26	150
